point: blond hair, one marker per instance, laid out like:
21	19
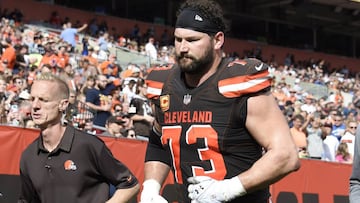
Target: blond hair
63	88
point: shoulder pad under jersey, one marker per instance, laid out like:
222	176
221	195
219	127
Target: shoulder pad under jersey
155	81
244	77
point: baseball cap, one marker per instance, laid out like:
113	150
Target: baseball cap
115	119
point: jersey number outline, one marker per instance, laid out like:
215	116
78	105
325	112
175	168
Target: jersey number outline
209	153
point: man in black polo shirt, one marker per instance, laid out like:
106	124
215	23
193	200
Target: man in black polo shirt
65	164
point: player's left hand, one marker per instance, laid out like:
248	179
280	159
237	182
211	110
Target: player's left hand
203	189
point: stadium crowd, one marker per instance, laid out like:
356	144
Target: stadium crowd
321	104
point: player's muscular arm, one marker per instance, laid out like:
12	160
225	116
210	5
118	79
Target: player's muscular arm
268	126
156	170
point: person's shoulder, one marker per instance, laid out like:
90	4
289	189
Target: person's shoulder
156	79
158	73
31	149
246	66
245	76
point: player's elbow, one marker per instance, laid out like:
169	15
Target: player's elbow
292	161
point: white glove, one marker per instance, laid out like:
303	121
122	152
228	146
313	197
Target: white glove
203	189
151	192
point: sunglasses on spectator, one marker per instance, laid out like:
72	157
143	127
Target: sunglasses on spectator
353	127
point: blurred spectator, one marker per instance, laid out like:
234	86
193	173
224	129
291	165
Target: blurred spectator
86	70
67	74
25	106
18	85
109	68
114	127
314	138
22	60
8	56
103	42
338	127
338	98
37	46
349	136
98	101
62	57
129	91
140	110
69	34
356	99
49	58
150	48
85	46
115	98
298	133
89	84
292	96
343	155
72	109
118	110
91	57
331	143
308	106
14	117
297	86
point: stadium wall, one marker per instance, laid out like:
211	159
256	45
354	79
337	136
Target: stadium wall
39	11
315	182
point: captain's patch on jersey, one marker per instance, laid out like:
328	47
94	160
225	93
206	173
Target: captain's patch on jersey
164	102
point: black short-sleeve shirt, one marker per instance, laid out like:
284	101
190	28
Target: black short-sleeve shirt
79	170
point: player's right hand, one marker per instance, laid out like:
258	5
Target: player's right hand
150	192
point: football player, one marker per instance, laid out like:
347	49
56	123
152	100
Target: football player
217	127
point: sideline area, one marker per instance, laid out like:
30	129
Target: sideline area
315	182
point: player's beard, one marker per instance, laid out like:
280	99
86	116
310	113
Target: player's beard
192	65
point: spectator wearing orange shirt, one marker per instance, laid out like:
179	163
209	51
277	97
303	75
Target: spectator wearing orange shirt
110	68
49	58
298	133
62	57
8	57
93	61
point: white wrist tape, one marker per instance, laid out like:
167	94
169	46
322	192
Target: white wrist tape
152	186
235	187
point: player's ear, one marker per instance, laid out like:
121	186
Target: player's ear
219	39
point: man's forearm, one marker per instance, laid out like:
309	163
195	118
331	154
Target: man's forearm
124	195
